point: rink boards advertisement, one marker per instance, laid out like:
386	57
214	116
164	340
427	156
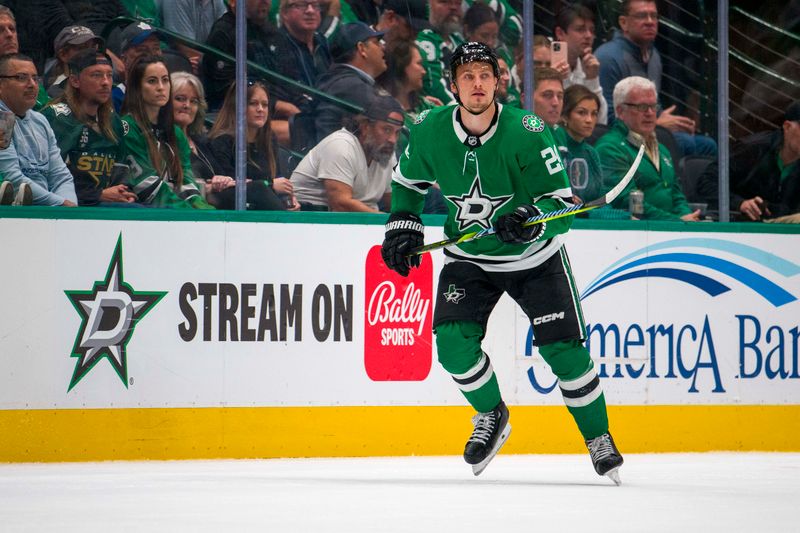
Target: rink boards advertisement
129	315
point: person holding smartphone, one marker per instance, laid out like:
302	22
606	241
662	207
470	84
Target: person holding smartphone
575	33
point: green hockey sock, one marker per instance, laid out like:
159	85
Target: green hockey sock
579	384
459	347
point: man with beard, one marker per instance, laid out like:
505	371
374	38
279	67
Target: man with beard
437	44
89	133
351	169
497	166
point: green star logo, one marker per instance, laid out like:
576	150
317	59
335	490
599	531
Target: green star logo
109	314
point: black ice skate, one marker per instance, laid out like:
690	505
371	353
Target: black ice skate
491	432
605	456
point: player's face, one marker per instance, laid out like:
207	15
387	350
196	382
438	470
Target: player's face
641	122
155	86
94	83
582	120
548	100
257	109
475	84
185	103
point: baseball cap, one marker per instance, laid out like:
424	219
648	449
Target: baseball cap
793	112
88	58
351	34
414	11
382	105
75	35
136	33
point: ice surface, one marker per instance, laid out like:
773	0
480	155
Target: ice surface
712	492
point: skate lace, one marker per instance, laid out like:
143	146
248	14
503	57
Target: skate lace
600	447
484	426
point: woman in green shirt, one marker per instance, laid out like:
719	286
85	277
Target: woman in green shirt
159	154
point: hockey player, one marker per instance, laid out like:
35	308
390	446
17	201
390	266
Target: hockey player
496	166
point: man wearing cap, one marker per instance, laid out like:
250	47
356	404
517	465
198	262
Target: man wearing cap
359	56
351	169
33	156
764	174
90	133
437	44
70	41
403	19
137	39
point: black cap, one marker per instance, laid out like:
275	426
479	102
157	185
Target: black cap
349	35
136	33
88	58
414	11
382	105
793	112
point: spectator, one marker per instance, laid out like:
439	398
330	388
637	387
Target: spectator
159	154
10	45
138	39
33	156
265	189
360	59
403	80
403	19
635	105
541	58
764	174
548	95
507	93
632	53
575	26
437	44
219	74
351	169
7	196
69	42
89	133
299	52
189	108
193	20
509	21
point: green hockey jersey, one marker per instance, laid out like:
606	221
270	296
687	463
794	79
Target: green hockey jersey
514	162
436	54
89	155
152	186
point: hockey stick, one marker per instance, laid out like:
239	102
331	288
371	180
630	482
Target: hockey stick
572	210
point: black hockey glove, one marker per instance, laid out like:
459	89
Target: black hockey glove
509	227
404	232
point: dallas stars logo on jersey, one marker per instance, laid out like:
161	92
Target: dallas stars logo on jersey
475	207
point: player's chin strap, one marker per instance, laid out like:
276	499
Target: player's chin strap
572	210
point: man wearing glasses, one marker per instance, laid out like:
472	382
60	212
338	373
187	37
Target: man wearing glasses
632	53
636	106
33	156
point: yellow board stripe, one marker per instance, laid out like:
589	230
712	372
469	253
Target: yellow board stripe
207	433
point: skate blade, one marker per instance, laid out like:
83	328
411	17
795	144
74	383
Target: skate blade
480	467
613	474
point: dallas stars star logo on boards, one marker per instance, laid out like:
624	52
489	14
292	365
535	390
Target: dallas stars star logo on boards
475	207
109	314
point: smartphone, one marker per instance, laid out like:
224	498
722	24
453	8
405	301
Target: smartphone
558	52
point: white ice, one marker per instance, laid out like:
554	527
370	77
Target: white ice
710	492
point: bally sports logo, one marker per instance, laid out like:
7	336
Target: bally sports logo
397	328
